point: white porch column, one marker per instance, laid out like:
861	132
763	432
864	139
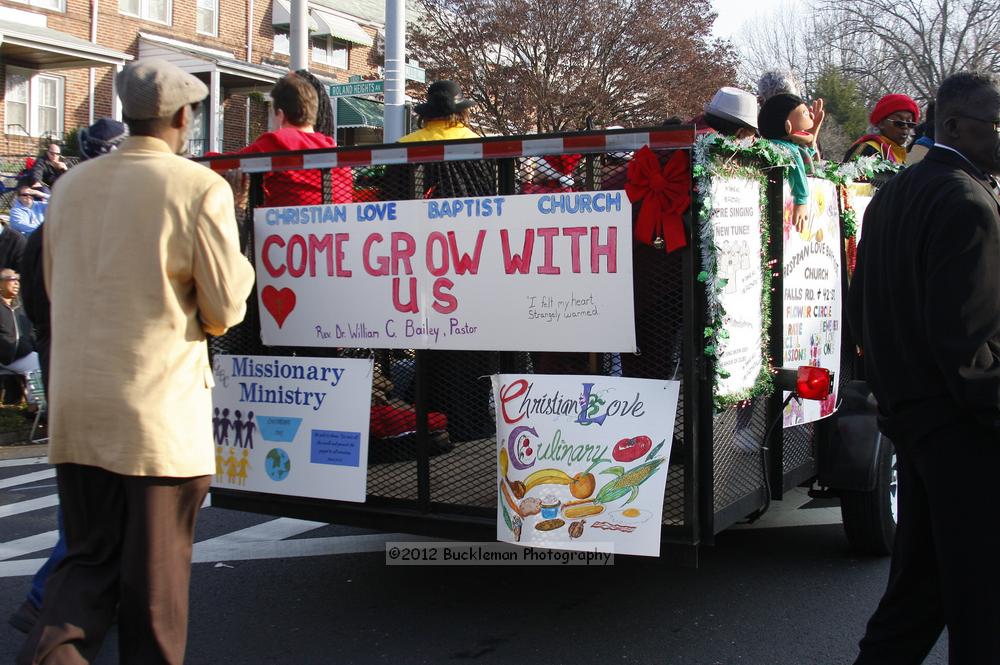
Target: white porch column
116	103
215	111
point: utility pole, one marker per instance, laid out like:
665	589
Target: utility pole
298	35
395	70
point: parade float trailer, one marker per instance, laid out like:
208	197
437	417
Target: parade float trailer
660	348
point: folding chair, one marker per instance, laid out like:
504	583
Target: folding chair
36	391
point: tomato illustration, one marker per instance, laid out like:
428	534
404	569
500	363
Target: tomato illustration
629	450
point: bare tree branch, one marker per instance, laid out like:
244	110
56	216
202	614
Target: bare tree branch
548	65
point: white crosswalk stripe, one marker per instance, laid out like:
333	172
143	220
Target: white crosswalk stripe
277	538
15	548
27	478
29	505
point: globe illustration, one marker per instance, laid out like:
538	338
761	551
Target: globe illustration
277	464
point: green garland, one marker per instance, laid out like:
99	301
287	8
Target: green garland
863	168
718	156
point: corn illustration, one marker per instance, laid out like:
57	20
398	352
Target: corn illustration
627	482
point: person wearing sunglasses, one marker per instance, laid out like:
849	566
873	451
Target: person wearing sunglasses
893	120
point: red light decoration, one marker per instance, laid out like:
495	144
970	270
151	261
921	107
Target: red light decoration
813	382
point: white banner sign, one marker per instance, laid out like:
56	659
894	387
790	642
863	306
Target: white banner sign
736	221
812	295
582	461
542	272
292	425
859	195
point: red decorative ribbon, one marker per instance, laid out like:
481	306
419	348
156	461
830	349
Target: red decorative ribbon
665	196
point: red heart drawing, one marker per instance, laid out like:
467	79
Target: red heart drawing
279	303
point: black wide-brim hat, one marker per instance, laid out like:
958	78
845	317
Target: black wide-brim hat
444	98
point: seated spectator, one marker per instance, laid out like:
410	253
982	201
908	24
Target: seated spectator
17	349
295	107
27	212
101	138
48	167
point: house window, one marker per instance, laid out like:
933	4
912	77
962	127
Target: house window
150	10
281	40
57	5
208	17
33	103
329	51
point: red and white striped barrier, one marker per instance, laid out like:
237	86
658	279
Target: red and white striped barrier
490	148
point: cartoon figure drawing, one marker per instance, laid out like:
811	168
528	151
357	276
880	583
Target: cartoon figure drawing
215	426
248	427
815	341
238	428
231	467
727	266
224	427
218	462
244	464
794	412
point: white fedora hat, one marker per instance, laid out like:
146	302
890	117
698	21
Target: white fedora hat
735	105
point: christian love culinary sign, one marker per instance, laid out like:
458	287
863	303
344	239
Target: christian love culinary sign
541	272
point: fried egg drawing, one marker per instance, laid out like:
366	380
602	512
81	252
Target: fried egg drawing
631	516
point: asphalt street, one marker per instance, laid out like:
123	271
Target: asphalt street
266	591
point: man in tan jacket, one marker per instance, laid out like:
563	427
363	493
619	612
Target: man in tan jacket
141	260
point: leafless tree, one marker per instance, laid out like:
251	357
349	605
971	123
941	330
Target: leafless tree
548	65
912	45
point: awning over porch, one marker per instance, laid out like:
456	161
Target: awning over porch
340	28
196	59
39	47
358	112
281	15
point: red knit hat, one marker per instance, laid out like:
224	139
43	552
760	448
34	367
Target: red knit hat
892	103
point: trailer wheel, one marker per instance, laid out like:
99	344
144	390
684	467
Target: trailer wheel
870	517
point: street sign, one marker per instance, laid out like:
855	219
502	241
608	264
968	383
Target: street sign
353	89
415	73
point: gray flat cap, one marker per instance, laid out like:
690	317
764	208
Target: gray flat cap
155	88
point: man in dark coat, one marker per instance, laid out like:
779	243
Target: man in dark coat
925	303
48	167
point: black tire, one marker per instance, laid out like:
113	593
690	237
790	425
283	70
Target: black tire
870	517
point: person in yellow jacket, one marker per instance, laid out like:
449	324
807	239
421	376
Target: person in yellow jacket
444	116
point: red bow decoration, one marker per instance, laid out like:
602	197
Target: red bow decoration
665	197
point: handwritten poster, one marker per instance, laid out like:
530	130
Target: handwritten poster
292	425
582	461
812	295
736	221
542	272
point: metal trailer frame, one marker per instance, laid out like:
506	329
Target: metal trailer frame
719	489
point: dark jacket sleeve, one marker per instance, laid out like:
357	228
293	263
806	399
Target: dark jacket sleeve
11	248
33	295
38	170
963	303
